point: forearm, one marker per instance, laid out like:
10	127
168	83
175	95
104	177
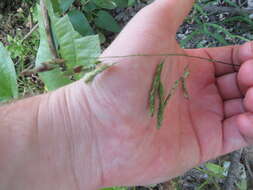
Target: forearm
18	143
40	145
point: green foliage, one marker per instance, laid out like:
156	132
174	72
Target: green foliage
52	79
72	47
97	14
73	37
21	50
80	22
207	33
215	172
105	21
8	85
106	4
61	6
243	185
66	35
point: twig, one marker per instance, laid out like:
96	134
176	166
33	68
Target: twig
48	29
42	68
247	164
232	10
30	33
46	66
232	172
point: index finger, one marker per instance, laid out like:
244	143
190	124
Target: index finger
236	55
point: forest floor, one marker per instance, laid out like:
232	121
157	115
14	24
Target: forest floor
210	24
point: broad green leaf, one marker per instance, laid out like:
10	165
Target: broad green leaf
80	22
56	6
102	37
8	79
105	21
53	7
52	79
74	48
121	3
66	36
131	2
87	47
65	4
90	6
106	4
61	6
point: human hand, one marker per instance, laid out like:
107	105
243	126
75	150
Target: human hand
112	113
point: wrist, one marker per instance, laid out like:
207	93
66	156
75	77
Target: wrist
47	142
66	136
18	143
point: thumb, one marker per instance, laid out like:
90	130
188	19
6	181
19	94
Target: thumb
173	12
157	21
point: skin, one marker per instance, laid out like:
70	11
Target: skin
98	135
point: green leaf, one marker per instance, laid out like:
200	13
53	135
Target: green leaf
87	47
102	37
216	169
105	21
56	6
121	3
75	49
90	6
65	4
131	2
8	79
80	22
242	185
61	6
52	79
66	35
106	4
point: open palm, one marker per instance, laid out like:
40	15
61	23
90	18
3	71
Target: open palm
210	123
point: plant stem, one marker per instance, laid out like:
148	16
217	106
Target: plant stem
48	29
164	55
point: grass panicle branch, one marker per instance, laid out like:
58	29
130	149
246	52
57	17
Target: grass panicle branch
155	88
161	108
101	68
